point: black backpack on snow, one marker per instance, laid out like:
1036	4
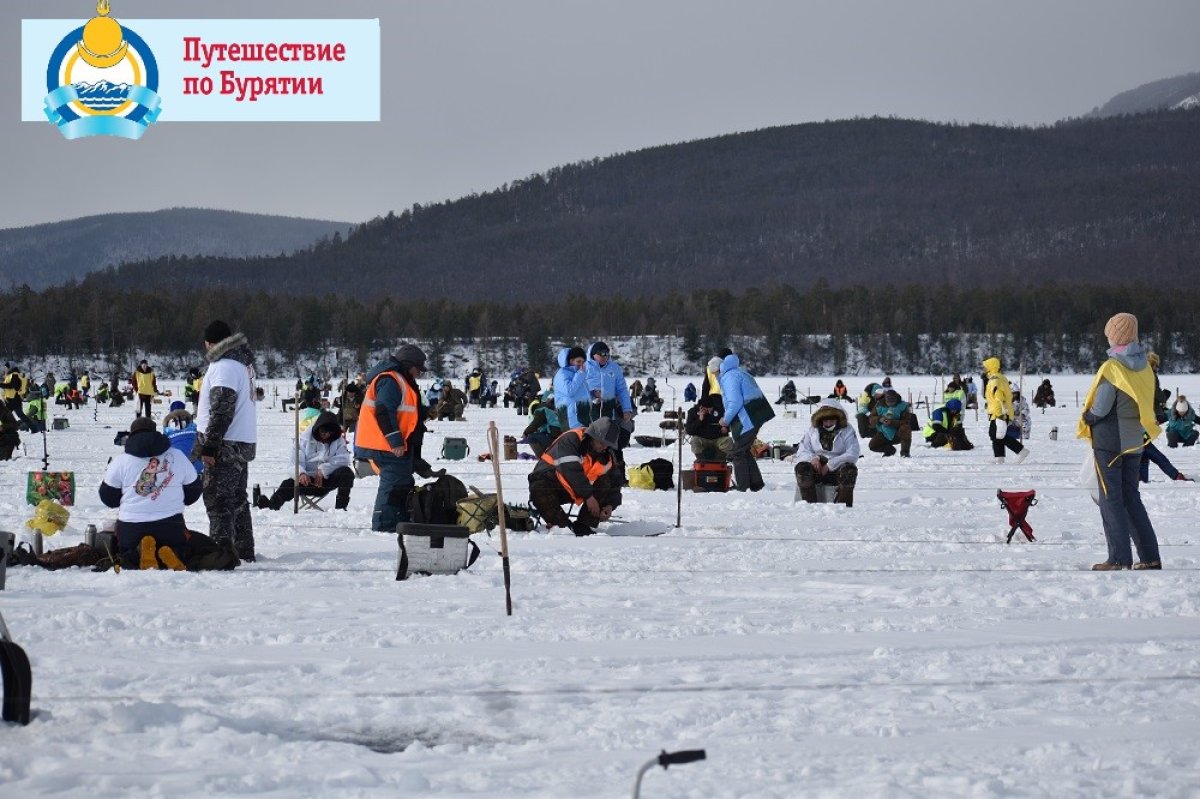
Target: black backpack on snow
436	502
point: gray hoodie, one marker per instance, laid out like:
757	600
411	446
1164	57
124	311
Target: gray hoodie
1113	415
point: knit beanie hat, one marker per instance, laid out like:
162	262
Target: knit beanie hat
1121	329
411	353
216	332
177	405
141	424
714	364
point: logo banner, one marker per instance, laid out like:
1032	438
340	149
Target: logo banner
110	77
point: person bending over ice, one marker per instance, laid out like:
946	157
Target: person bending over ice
578	468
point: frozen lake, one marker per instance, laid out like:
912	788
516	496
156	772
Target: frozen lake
896	648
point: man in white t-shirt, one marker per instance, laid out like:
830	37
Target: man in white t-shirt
149	483
227	435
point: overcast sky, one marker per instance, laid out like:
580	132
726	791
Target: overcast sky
479	92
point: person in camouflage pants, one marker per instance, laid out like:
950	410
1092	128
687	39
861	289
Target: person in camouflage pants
226	438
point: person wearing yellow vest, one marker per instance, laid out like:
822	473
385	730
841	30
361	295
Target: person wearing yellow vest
146	386
1118	407
14	386
997	395
578	468
391	428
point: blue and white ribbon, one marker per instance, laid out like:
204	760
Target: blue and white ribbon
57	101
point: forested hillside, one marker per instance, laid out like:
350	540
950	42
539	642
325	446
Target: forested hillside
866	201
45	255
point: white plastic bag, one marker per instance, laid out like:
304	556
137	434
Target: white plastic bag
1089	477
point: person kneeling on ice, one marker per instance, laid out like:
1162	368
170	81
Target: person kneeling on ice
944	428
892	423
149	483
324	467
578	468
828	454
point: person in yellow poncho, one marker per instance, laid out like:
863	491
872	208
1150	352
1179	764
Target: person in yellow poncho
1118	406
997	394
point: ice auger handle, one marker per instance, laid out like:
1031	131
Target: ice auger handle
681	757
666	759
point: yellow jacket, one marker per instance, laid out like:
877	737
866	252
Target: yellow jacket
998	392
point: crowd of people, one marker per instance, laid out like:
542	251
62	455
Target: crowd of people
578	429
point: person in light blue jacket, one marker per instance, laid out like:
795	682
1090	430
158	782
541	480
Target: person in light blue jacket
610	398
746	411
571	396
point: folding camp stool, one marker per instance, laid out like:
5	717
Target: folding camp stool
311	501
1017	503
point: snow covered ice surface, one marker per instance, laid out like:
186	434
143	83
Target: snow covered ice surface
897	648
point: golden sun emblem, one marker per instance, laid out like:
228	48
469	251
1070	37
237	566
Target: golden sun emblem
103	44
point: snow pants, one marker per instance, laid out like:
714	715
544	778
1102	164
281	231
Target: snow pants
1121	509
225	498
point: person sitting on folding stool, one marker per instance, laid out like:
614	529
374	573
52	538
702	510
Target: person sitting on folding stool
578	468
324	467
703	424
828	454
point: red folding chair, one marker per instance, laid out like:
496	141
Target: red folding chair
1018	503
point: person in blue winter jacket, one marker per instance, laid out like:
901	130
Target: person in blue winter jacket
180	429
746	411
571	396
610	398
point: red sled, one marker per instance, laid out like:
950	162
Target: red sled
1018	503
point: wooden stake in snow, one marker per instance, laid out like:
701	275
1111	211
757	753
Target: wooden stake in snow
493	436
679	467
296	476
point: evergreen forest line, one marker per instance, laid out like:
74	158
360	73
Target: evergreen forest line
914	329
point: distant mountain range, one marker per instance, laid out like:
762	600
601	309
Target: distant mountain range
854	202
1179	92
49	254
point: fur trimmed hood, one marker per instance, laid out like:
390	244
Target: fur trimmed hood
829	408
235	347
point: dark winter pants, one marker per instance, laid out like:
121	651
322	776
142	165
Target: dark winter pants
807	478
1122	511
864	425
881	443
548	496
169	532
144	403
1000	427
956	438
745	468
1153	453
1174	439
391	500
341	480
225	498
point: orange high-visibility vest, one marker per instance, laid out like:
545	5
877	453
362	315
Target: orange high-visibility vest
592	468
368	434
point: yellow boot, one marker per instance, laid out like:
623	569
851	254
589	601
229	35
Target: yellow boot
146	559
170	559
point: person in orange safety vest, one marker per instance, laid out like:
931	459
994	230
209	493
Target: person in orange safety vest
578	468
